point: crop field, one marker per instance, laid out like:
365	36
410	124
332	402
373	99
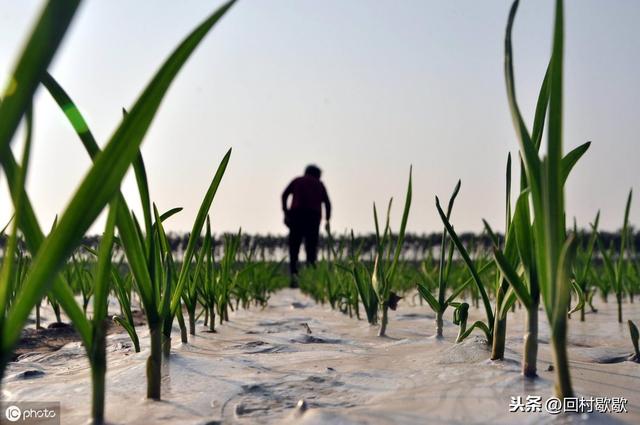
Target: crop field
139	326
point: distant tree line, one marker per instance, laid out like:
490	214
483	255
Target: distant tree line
416	246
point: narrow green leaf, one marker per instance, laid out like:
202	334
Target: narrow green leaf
34	60
512	277
102	182
169	213
507	202
590	247
563	279
197	229
403	228
465	256
103	269
527	147
541	110
476	325
580	294
492	235
131	243
522	227
571	159
7	271
429	298
507	302
466	283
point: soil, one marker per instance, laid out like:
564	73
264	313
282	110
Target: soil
298	362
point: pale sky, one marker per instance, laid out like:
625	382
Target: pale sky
363	88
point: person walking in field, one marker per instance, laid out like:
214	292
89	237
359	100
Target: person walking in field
304	215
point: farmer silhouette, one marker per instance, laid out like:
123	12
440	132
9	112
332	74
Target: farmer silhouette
304	216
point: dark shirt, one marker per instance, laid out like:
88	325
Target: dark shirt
308	194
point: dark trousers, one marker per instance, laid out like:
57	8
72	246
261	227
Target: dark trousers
303	225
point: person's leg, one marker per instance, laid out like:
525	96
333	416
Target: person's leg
311	237
295	239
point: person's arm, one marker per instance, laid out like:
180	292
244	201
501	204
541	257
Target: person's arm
327	203
285	196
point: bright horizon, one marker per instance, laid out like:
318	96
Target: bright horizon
364	89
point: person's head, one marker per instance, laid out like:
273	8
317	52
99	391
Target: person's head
313	171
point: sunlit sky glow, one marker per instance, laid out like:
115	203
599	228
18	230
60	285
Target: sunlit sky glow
363	88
